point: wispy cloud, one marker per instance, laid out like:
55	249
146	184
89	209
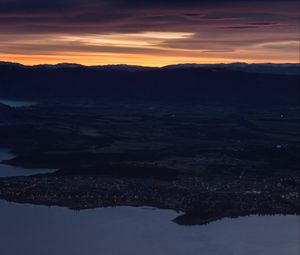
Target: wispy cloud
144	31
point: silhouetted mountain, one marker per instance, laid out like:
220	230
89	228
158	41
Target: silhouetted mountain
212	83
61	65
288	69
129	68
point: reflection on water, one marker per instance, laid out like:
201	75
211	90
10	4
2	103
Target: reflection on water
17	103
36	230
6	170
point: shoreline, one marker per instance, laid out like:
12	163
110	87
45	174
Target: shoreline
198	206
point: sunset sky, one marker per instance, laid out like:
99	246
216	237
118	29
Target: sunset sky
150	33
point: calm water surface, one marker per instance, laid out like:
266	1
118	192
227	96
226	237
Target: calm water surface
6	170
36	230
41	230
17	103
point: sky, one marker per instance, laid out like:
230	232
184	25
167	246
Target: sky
149	32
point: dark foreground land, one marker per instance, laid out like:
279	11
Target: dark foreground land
207	160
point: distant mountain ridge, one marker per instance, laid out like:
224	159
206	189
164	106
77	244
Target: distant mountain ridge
231	83
287	68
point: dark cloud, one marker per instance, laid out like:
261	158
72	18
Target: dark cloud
243	27
214	26
22	6
130	15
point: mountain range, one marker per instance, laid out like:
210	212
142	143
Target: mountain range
230	83
287	68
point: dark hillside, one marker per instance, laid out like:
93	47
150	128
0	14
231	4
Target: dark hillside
205	84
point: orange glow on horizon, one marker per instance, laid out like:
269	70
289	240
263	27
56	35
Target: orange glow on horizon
151	61
150	33
144	48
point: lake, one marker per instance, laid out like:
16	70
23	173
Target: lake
17	103
7	170
35	230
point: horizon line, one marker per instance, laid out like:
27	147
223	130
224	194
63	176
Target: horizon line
145	66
